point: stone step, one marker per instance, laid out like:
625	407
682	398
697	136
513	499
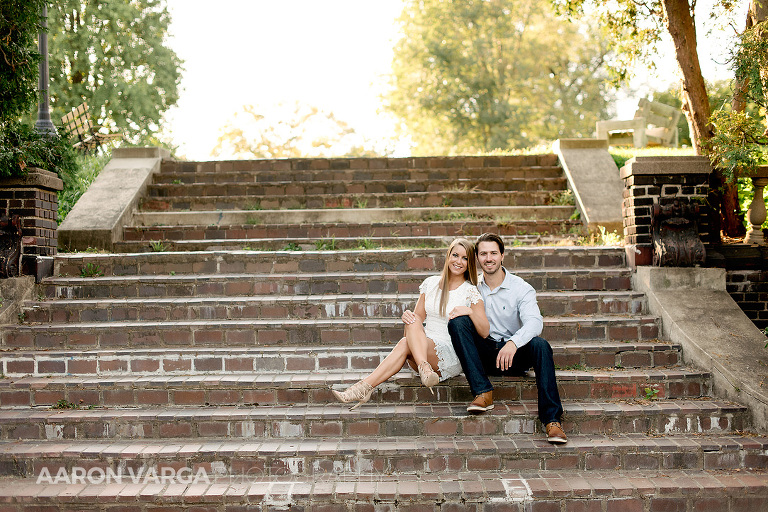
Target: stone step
328	422
258	388
447	198
468	227
310	244
236	360
302	332
501	214
232	186
480	491
517	259
387	455
309	306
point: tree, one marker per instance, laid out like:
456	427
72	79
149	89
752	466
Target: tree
19	26
484	75
20	146
636	27
112	54
289	132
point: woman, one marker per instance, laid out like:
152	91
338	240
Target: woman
448	295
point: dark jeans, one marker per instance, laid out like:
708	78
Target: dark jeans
478	360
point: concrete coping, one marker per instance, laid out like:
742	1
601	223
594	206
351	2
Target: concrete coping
658	165
98	217
35	178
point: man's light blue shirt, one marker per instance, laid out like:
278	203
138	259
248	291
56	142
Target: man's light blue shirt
512	309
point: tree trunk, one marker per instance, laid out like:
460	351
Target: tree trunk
681	26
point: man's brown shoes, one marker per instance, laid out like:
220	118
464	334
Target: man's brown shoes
482	402
555	433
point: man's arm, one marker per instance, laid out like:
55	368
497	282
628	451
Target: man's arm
530	319
531	325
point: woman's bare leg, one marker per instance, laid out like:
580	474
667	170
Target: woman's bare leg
391	364
417	342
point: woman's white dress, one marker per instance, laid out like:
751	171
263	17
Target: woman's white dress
436	327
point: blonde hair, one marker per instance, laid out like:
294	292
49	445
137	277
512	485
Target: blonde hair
469	275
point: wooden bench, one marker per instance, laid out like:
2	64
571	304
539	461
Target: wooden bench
78	125
654	124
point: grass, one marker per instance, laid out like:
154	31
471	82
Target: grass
622	154
75	186
326	244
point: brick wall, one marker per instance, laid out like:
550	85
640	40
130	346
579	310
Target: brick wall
660	180
749	288
34	198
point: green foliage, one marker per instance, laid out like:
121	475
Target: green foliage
19	26
158	246
325	244
562	198
113	54
366	244
77	182
602	238
482	76
634	29
651	393
740	143
65	404
720	94
90	270
292	246
21	148
279	132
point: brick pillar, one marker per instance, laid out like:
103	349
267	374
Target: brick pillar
34	198
660	180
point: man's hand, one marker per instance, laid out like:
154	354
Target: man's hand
460	311
409	317
506	355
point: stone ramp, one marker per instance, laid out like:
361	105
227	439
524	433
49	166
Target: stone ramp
192	354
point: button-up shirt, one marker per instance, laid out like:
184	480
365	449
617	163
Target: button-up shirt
512	310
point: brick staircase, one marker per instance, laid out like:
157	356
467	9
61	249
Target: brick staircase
208	346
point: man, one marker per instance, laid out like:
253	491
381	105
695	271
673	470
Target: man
514	344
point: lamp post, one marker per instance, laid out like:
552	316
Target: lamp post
43	125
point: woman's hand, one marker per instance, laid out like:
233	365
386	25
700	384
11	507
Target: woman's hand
460	311
409	317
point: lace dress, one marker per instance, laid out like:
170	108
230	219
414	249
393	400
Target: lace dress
436	327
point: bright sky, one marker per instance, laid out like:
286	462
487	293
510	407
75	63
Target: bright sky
332	54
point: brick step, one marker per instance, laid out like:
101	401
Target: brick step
207	285
479	491
310	244
388	455
265	172
502	214
266	332
517	259
445	198
291	359
308	165
468	227
509	418
258	388
175	177
308	306
232	186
